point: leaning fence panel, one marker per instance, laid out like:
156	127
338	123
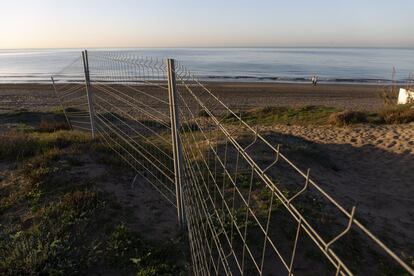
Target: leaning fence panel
130	97
70	89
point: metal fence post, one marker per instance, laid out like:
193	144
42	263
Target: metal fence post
61	103
176	143
89	91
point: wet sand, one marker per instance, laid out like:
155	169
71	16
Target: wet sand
349	96
39	97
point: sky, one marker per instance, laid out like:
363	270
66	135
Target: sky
206	23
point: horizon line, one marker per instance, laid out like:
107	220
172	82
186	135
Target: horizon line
211	47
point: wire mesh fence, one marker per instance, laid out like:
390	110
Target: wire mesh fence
248	208
69	85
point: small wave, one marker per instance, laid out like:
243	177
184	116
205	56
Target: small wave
43	78
361	80
301	79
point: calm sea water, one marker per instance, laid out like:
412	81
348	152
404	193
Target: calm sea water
362	65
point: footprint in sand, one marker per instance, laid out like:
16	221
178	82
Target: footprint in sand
390	145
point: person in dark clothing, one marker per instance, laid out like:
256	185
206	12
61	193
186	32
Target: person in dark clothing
315	80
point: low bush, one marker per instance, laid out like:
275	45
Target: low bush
399	114
314	115
52	126
16	145
347	118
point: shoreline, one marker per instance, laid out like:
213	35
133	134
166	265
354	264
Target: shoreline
230	82
246	81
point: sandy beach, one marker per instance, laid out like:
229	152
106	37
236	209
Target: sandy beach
236	95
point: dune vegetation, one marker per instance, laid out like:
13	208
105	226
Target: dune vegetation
55	217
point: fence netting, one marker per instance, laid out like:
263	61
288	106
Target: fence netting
247	207
69	85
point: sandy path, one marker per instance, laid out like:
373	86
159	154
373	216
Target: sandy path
144	210
392	138
373	170
148	213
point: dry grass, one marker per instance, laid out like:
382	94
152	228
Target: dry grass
347	117
52	126
284	115
400	114
389	95
321	115
16	145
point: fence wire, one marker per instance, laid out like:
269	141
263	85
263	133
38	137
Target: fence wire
69	85
248	209
131	111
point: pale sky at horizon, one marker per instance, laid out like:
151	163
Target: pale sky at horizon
213	23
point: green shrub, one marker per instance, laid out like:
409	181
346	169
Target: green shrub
124	249
57	242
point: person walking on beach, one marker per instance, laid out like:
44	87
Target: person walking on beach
315	80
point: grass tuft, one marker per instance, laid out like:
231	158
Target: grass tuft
322	115
15	145
19	145
400	114
347	117
52	126
284	115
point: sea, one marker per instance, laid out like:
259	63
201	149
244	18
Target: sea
331	65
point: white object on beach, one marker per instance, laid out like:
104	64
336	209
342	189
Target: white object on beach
405	96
